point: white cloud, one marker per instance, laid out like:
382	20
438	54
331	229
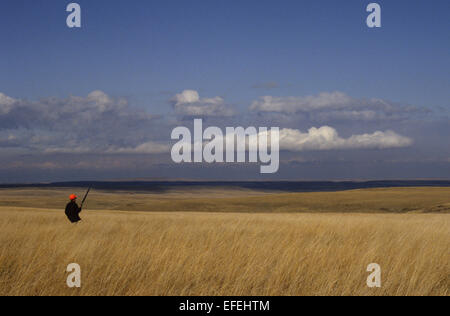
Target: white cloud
145	148
6	103
189	103
74	125
327	138
103	102
328	106
297	104
69	150
323	138
102	124
187	96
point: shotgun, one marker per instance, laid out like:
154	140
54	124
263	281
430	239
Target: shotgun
85	197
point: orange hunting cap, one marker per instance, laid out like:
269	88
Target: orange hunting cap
72	197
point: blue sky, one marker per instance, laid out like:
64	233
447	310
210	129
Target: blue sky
147	52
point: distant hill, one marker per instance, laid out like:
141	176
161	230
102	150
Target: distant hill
273	186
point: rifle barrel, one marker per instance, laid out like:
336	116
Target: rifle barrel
86	195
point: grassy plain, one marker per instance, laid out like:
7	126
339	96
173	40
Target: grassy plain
227	243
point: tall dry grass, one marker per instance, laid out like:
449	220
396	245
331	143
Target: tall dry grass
225	200
223	254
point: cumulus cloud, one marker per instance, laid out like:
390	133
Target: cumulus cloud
188	103
70	112
329	106
318	139
327	138
6	103
101	124
96	122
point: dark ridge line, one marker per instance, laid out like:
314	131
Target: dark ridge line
282	186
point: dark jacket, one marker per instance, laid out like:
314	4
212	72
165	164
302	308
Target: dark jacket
73	212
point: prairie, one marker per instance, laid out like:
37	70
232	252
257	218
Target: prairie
389	200
297	244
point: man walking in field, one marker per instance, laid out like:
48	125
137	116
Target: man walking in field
72	210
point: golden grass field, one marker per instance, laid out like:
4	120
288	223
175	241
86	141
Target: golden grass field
227	243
